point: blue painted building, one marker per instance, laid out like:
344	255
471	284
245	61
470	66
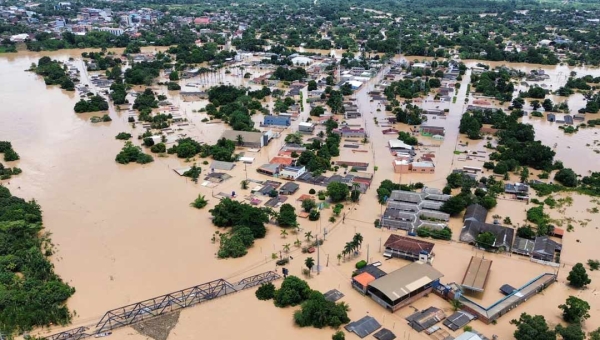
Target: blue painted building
277	120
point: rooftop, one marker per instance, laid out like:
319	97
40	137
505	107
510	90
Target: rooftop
405	280
407	244
476	274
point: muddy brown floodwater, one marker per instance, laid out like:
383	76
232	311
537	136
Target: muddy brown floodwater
127	233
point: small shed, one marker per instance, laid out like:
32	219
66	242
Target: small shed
477	273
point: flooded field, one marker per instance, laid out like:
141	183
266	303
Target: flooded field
127	233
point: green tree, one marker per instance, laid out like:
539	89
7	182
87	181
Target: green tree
312	85
317	111
266	291
287	216
571	332
10	155
535	104
595	335
566	177
454	206
486	240
229	213
174	76
575	310
339	335
532	328
578	276
319	313
308	205
337	191
293	291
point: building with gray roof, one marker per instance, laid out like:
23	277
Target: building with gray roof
404	286
474	224
408	210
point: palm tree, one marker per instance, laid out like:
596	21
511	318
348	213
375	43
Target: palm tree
240	140
357	239
283	233
348	248
199	202
344	306
286	248
308	236
244	184
339	257
309	263
297	243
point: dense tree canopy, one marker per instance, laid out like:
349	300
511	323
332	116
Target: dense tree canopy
32	294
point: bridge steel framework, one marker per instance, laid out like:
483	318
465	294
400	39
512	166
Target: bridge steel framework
150	308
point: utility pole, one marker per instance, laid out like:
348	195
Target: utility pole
367	253
380	244
318	256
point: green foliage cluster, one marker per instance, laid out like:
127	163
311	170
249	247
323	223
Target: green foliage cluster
233	106
360	264
566	177
94	104
247	222
319	312
143	73
101	61
200	202
54	73
578	276
494	84
407	138
337	191
575	310
406	88
193	54
532	328
32	294
96	39
287	216
456	204
123	136
7	172
439	234
193	173
411	115
289	74
131	153
266	291
236	242
118	93
9	153
293	291
145	101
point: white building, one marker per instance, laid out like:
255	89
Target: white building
111	30
292	172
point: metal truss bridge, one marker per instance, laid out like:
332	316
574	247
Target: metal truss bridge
150	308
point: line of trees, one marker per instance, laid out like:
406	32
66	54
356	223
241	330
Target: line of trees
54	73
94	104
32	294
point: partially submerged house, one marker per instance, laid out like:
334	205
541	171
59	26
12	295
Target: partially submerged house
404	286
545	249
248	138
407	248
474	224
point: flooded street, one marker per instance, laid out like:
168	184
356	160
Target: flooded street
126	233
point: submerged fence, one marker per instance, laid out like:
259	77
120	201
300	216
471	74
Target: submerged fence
150	308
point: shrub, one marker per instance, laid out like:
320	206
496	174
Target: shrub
123	136
360	264
312	191
266	291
